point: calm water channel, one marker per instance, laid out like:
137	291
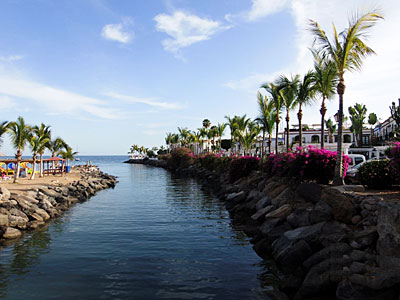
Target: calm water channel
153	237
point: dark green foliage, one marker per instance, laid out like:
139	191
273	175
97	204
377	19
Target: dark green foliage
213	162
226	144
180	158
376	174
242	167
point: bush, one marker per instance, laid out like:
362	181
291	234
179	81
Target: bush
376	174
395	161
180	158
164	156
242	167
309	164
213	162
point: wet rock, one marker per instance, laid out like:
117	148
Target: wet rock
310	191
282	211
233	196
290	254
268	225
11	233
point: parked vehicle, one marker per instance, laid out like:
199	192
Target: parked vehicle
356	159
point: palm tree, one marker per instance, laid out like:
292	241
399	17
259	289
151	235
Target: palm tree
220	132
43	133
38	140
241	125
266	119
184	135
67	154
202	134
232	126
273	90
288	92
206	123
372	120
3	129
325	82
331	129
347	51
168	140
357	117
305	94
19	132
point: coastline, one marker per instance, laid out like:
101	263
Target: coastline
27	205
330	242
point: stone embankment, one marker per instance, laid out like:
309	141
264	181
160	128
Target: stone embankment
327	242
26	210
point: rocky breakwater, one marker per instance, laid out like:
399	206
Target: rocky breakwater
328	242
28	209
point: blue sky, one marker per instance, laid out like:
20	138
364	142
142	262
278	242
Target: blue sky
109	74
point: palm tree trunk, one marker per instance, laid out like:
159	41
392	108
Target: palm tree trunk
276	135
287	130
269	143
300	116
41	165
16	174
262	146
338	175
323	112
34	166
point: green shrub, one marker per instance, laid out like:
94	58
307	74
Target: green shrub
180	158
376	174
214	162
242	167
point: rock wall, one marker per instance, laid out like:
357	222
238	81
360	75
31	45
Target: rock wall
328	242
26	210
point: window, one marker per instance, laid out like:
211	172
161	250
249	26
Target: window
347	138
365	139
315	139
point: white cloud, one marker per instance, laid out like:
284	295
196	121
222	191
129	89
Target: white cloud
10	58
117	32
148	101
185	29
262	8
54	100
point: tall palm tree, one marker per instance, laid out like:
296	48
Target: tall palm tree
232	126
184	135
38	140
67	154
273	90
19	132
288	92
3	129
372	120
206	123
241	125
305	94
331	129
168	140
325	81
55	145
266	119
220	131
347	51
358	114
202	133
42	132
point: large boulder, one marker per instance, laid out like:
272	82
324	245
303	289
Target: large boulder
300	216
280	212
321	212
3	220
310	191
5	193
17	219
49	192
340	203
11	233
388	227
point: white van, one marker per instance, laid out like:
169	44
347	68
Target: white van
356	159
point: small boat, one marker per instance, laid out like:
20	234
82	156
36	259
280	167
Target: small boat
77	159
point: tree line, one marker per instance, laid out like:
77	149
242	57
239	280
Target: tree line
38	138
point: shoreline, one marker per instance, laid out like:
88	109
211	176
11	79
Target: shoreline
28	205
327	242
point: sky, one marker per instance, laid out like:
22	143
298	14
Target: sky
107	74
